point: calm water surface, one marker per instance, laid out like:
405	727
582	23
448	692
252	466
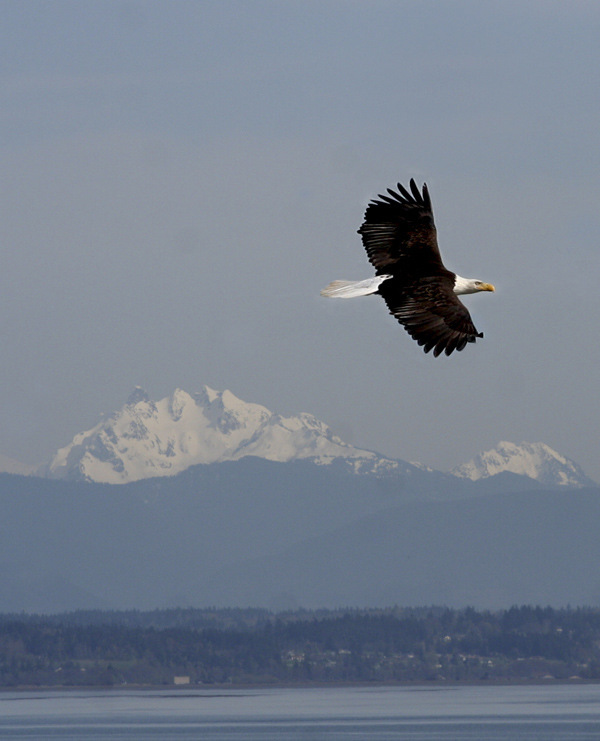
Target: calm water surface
524	713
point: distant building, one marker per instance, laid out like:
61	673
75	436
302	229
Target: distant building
181	680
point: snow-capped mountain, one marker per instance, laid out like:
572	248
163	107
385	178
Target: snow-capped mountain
148	438
535	460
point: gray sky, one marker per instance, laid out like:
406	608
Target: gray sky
179	180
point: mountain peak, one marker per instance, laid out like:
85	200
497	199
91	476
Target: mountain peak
148	438
137	395
535	460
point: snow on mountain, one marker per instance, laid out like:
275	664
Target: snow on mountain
148	438
536	460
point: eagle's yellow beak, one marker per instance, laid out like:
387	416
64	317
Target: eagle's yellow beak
486	287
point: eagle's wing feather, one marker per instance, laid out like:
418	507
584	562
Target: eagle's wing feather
398	232
431	314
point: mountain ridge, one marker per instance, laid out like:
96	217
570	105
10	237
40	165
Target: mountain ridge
254	532
147	439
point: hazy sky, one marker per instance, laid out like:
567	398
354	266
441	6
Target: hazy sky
180	179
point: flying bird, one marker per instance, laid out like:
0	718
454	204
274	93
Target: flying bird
399	235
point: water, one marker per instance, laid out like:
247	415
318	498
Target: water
432	713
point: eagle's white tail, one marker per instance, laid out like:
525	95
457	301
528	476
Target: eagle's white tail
353	288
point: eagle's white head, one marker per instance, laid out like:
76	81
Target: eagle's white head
470	285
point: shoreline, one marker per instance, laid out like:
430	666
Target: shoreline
236	687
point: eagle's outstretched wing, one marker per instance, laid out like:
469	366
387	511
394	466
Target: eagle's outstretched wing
431	313
399	235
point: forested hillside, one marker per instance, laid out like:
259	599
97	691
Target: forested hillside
214	647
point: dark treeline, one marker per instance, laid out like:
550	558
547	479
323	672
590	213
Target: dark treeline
255	646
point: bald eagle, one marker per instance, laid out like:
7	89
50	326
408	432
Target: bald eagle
399	236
